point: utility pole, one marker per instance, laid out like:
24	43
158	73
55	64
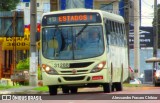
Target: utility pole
136	39
33	80
155	31
126	18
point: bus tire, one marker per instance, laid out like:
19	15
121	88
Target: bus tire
119	86
52	90
65	89
156	84
107	87
73	90
113	86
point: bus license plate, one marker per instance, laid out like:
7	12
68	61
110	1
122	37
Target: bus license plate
97	77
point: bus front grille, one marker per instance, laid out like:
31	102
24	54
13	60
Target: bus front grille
71	72
74	78
80	65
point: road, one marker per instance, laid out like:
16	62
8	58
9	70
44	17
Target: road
146	94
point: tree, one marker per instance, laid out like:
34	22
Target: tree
8	5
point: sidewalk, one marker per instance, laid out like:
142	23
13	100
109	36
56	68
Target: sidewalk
18	90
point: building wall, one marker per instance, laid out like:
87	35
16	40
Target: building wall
115	3
42	6
92	4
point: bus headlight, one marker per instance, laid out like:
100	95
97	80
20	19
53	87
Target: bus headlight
49	69
98	67
157	74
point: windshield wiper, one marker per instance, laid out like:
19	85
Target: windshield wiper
81	30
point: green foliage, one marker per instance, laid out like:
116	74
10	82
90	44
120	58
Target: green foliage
23	64
39	74
8	5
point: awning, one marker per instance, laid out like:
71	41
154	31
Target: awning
153	59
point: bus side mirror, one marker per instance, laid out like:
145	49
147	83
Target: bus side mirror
37	36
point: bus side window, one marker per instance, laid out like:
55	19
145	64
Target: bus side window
111	33
114	33
107	27
124	35
108	30
121	35
117	34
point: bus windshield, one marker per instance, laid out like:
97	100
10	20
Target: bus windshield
72	42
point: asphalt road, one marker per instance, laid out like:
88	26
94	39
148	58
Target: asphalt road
145	94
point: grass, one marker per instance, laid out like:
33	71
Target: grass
42	88
7	87
132	85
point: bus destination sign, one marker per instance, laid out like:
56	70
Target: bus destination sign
71	18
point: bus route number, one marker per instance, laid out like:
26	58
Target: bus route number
61	65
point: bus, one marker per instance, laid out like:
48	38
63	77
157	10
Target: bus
70	61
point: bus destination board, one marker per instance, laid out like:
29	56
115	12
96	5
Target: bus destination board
71	18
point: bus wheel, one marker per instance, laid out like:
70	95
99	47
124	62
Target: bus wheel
107	87
113	86
156	84
65	89
52	90
74	90
119	86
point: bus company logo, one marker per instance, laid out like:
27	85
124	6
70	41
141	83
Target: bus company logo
74	71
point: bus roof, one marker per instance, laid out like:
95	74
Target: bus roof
105	14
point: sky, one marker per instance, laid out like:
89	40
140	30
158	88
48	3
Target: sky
147	11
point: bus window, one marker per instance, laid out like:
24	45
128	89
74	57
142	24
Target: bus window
114	34
124	35
111	36
72	42
120	34
108	31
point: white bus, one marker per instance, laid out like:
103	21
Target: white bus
70	56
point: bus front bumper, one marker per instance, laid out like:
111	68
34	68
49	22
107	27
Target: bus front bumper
82	79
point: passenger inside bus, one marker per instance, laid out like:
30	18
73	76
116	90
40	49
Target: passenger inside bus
90	40
93	39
